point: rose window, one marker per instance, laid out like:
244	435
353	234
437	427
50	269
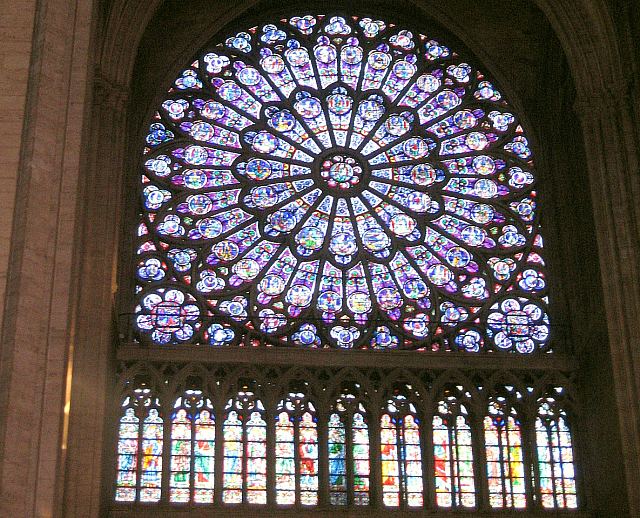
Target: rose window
339	182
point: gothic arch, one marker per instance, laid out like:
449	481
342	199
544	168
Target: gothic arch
112	86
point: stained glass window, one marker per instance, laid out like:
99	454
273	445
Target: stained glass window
128	446
328	181
296	451
349	463
139	454
505	464
453	452
555	456
193	435
339	182
245	451
401	456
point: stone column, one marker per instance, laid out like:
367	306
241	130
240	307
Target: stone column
612	150
36	332
93	373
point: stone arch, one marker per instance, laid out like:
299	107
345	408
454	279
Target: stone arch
112	82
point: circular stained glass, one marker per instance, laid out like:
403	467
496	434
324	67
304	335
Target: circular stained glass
339	182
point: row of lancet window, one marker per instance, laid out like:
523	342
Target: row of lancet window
190	455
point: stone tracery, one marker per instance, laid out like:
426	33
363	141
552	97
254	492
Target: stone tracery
333	182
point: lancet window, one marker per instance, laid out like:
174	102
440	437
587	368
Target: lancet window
140	444
401	455
556	463
453	451
193	434
245	450
349	451
505	463
296	451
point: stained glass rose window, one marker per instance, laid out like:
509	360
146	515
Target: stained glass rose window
339	182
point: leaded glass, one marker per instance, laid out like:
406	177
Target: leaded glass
139	450
245	451
337	461
127	462
151	466
348	448
296	451
339	182
453	454
505	464
555	456
192	449
401	456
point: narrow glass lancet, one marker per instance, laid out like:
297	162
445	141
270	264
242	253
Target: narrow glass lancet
181	450
453	455
285	460
401	458
555	457
151	468
204	457
128	447
337	461
361	465
505	466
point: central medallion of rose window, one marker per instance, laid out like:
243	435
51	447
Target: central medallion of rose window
341	171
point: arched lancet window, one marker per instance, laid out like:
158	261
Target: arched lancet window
193	433
556	469
349	451
245	450
505	462
140	442
453	451
296	451
401	454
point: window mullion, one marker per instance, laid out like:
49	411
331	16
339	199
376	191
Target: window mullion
453	462
527	432
480	463
503	436
142	417
402	467
349	460
192	461
296	457
218	475
375	460
245	452
167	428
270	417
323	455
428	465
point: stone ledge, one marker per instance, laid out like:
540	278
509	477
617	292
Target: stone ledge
337	358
